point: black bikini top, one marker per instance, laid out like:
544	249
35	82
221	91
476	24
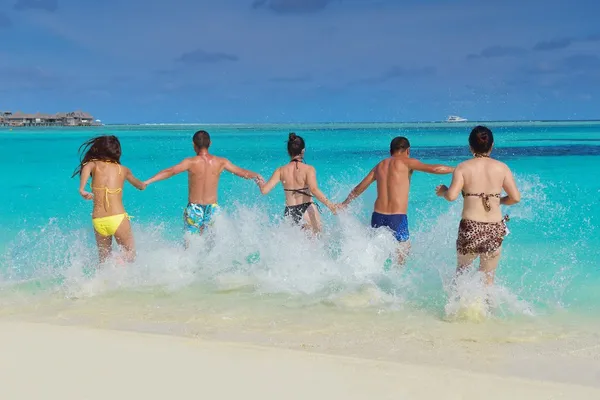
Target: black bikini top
302	191
299	191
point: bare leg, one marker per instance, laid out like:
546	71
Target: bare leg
402	252
104	244
188	235
124	238
488	265
312	219
464	261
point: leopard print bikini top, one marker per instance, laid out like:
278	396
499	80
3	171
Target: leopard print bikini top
485	198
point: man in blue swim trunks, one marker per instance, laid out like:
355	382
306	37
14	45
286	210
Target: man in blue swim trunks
393	184
204	171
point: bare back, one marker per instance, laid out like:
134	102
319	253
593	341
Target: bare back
204	172
484	176
295	175
108	180
393	184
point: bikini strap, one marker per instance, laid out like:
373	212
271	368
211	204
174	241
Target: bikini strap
107	191
300	191
297	161
485	198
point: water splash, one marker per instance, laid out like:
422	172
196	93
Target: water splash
348	266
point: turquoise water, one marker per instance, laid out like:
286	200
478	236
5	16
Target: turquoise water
254	261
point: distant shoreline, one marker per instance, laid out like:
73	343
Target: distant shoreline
326	125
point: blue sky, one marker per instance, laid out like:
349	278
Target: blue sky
301	60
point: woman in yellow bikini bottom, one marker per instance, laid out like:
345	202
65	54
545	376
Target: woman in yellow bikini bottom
107	226
100	156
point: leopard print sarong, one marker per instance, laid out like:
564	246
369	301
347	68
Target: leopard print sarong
480	237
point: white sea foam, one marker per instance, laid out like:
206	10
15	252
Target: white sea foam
350	265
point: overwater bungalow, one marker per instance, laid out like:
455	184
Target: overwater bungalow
75	118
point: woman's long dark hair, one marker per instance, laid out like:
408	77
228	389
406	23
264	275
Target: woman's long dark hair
101	148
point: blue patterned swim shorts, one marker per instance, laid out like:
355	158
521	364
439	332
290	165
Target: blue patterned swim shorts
196	217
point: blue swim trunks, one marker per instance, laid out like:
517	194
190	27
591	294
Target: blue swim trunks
196	217
398	223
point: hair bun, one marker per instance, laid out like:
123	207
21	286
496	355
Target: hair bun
482	137
292	136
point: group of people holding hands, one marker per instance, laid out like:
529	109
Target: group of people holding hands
481	181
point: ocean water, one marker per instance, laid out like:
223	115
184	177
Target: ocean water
256	278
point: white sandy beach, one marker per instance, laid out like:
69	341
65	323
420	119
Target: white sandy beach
40	361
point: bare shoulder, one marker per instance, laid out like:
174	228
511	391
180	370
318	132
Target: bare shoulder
310	169
462	166
501	165
222	163
410	162
220	160
461	169
382	163
91	165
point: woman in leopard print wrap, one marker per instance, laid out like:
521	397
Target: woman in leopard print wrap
480	181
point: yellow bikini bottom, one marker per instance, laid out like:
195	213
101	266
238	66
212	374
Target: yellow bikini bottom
107	226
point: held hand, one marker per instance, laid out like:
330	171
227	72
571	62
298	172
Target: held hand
341	206
260	181
441	190
144	186
86	195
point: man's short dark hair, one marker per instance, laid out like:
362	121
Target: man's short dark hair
399	143
202	140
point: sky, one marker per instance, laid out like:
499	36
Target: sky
270	61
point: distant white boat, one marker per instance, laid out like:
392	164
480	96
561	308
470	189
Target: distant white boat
455	118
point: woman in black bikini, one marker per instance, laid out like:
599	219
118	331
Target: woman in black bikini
300	186
481	181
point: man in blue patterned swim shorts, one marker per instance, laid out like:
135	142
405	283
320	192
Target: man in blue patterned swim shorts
204	171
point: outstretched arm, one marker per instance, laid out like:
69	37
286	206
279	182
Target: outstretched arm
271	183
455	188
361	187
241	172
135	181
86	171
512	193
314	188
169	172
438	169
